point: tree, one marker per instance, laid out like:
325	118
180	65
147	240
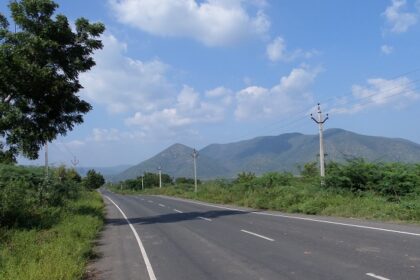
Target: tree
310	170
93	180
39	69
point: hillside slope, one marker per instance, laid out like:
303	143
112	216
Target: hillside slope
284	152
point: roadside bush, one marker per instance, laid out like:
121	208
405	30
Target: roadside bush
358	176
183	180
273	179
309	170
28	199
397	180
93	180
244	177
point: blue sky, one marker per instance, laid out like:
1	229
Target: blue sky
213	71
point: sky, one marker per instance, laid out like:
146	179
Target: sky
199	72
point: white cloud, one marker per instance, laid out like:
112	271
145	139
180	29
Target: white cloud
100	135
379	92
291	94
277	51
212	22
398	20
224	95
122	83
386	49
74	144
188	109
105	134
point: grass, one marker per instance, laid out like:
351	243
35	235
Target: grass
299	196
59	252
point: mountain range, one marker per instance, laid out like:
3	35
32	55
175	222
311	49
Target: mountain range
285	152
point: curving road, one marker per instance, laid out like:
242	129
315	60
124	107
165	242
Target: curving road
156	237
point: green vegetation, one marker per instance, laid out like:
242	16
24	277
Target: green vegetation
355	189
93	180
46	226
40	62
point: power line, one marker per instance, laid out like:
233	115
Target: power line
305	113
402	91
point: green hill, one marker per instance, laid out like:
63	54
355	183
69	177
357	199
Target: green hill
176	161
284	152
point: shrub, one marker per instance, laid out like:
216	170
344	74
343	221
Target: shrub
183	180
93	180
358	176
272	179
310	170
244	177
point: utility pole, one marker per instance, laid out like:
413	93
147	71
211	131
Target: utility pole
74	162
160	177
195	155
46	160
142	182
320	121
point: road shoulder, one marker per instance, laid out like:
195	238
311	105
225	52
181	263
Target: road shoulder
114	248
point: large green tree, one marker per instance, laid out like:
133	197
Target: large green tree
93	180
41	58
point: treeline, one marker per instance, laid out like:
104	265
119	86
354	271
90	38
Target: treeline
357	176
386	179
151	180
29	199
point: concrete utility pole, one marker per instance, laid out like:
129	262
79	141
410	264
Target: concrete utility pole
142	182
195	155
160	177
46	160
320	121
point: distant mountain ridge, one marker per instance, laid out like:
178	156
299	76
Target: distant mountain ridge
284	152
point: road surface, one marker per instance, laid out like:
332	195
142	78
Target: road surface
156	237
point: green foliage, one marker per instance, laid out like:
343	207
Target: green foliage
39	69
245	177
388	179
26	196
310	170
93	180
183	180
272	179
60	251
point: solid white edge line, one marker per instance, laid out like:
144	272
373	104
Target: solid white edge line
178	211
258	235
377	276
142	250
161	205
206	219
300	218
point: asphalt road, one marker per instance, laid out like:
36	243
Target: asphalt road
155	237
